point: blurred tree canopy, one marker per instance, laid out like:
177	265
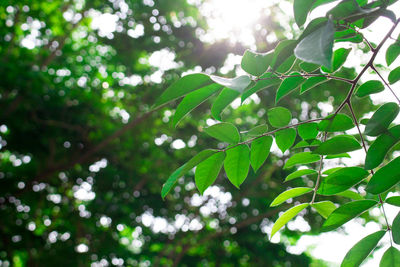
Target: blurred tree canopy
83	157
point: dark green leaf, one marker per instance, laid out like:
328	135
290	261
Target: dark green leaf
338	123
311	83
385	177
288	85
256	63
346	213
238	84
291	193
307	143
370	87
309	67
282	51
286	65
317	47
324	208
259	151
392	53
390	258
381	119
193	99
225	132
395	201
279	116
171	181
308	130
301	158
182	87
301	9
339	57
345	9
394	75
338	144
380	147
396	229
300	173
222	101
270	80
356	255
341	180
237	163
287	216
208	170
285	139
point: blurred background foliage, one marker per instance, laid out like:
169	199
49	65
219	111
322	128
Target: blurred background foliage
83	158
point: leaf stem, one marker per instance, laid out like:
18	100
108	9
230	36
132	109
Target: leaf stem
319	173
307	75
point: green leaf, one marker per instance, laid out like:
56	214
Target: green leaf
288	85
339	57
285	139
392	52
279	116
270	80
309	67
396	229
301	158
338	123
395	201
385	177
301	9
345	9
341	180
308	130
307	143
394	75
238	84
346	213
256	131
311	83
222	101
286	65
317	47
381	119
380	147
283	50
193	99
259	151
324	208
225	132
348	35
256	63
370	87
182	87
332	170
193	162
237	164
350	194
300	173
390	258
341	155
287	216
291	193
208	170
338	144
359	252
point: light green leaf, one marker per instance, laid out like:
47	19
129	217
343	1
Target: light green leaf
380	147
286	65
192	100
182	87
270	80
341	155
385	177
222	101
392	52
350	194
307	143
301	9
208	170
279	116
256	63
308	130
288	85
287	216
341	180
225	132
324	208
394	75
339	57
300	173
283	50
359	252
285	139
301	158
390	258
317	47
381	119
340	122
309	67
238	84
256	131
346	213
259	151
338	144
237	164
395	201
311	83
370	87
291	193
396	229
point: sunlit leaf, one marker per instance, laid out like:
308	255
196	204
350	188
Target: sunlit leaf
340	122
285	139
395	201
350	194
300	173
394	75
308	130
307	143
324	208
279	116
259	151
390	258
309	67
338	144
370	87
283	50
301	9
396	229
392	52
385	177
288	85
287	216
256	63
341	180
381	119
340	155
339	57
301	158
238	84
208	170
291	193
237	163
226	97
256	131
224	131
311	83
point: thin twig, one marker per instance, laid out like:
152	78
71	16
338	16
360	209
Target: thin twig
319	173
306	75
384	81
